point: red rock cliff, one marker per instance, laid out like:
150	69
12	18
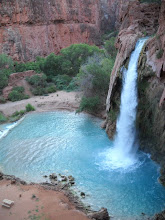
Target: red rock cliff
30	28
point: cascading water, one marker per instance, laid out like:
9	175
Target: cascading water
125	144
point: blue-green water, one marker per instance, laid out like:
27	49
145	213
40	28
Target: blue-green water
66	143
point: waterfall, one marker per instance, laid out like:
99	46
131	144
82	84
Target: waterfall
125	143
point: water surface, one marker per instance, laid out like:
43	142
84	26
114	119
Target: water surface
70	144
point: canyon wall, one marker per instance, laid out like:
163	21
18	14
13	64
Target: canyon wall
136	21
30	28
151	109
140	20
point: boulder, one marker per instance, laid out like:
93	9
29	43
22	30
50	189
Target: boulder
100	215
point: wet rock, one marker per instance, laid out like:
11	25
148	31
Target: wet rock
100	215
160	216
53	176
72	183
82	194
13	182
71	178
64	178
1	176
103	125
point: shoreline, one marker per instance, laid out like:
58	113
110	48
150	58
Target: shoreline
57	200
60	100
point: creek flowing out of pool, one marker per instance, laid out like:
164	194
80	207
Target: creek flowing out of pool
112	174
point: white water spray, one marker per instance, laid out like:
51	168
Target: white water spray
125	144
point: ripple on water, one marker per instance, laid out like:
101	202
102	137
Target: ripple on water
63	142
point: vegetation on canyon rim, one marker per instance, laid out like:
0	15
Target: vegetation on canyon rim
77	67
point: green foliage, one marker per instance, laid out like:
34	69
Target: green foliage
110	47
112	114
160	54
52	65
36	66
17	94
51	89
2	100
70	60
37	80
62	81
29	108
90	104
5	62
3	80
94	76
40	85
77	54
2	118
150	1
19	89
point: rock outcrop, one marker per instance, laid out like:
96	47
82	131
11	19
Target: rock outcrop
30	28
151	110
18	79
136	21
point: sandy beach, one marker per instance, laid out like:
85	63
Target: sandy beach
60	100
35	202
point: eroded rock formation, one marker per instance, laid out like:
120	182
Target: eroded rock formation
31	28
139	20
136	21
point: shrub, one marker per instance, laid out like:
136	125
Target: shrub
22	112
37	80
29	108
76	55
3	80
17	94
19	89
110	47
90	104
62	81
150	1
51	89
5	62
2	100
94	76
52	65
160	54
39	91
2	118
36	66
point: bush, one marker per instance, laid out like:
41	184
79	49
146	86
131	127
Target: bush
3	80
51	89
90	104
39	91
29	108
2	100
76	55
36	66
110	47
94	76
5	62
19	89
17	94
2	118
37	80
150	1
52	66
62	81
160	54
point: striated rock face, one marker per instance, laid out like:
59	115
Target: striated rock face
151	110
136	21
30	28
